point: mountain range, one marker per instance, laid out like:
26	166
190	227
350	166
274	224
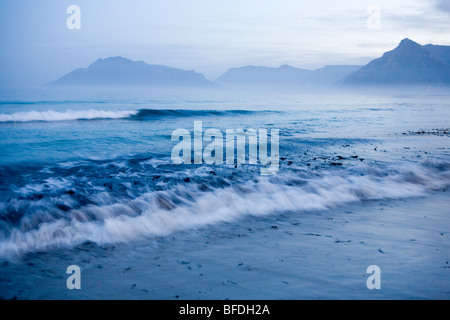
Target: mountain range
408	64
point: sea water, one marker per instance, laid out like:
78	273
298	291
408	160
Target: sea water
81	168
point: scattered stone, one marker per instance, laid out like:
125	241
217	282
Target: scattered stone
436	132
127	269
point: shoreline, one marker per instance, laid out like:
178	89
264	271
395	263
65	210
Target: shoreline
292	255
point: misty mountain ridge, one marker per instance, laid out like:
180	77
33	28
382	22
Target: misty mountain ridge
408	64
285	76
119	71
263	76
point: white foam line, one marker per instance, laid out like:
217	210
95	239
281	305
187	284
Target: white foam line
68	115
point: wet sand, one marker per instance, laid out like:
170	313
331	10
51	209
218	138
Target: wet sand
291	255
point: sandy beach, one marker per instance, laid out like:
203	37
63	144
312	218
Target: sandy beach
307	255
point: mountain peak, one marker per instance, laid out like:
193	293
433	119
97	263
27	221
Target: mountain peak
408	43
286	66
407	40
111	60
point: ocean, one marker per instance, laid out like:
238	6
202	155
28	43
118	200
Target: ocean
87	180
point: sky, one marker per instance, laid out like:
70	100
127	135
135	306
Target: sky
208	36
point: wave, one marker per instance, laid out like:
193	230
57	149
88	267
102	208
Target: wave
47	102
68	115
107	218
142	114
181	113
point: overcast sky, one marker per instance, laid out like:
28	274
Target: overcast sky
208	36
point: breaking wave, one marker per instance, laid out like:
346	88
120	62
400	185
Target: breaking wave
92	114
105	216
68	115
